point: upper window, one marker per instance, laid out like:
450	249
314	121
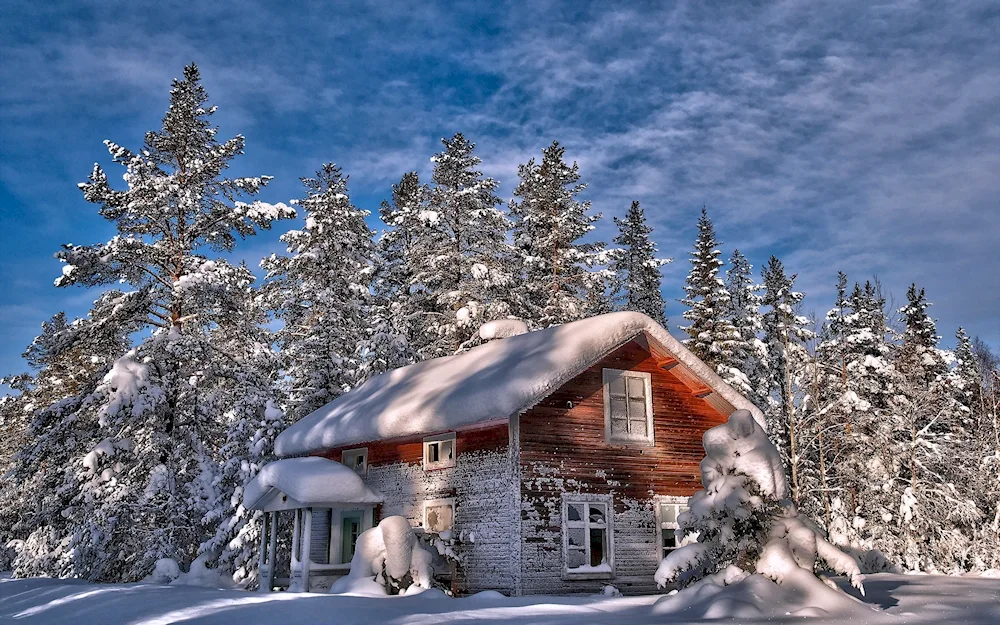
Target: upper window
356	459
588	543
667	511
439	451
439	515
628	407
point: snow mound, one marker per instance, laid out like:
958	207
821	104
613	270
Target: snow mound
757	597
502	329
389	549
309	480
491	382
167	571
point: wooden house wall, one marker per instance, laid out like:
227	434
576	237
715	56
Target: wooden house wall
482	484
563	449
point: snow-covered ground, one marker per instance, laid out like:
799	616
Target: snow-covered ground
901	599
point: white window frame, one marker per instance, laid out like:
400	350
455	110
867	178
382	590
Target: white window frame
432	503
609	535
612	374
354	453
443	463
661	524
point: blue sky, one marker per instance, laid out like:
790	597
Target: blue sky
847	135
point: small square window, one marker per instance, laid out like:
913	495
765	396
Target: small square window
439	515
356	460
439	451
628	407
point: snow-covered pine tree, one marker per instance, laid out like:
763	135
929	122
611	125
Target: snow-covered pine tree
712	336
965	377
148	485
549	224
870	450
397	328
37	495
785	334
745	522
635	266
320	291
462	259
937	519
747	369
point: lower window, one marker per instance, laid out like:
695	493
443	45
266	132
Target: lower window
439	515
667	510
588	535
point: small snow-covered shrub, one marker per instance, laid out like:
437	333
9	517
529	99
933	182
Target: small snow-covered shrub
745	522
390	556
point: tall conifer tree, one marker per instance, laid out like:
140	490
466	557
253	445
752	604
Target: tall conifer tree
636	267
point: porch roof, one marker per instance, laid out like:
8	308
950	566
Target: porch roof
307	482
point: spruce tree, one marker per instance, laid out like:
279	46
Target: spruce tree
785	334
320	291
398	315
747	368
148	485
461	260
712	336
549	223
636	267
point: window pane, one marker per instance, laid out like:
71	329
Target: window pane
636	387
596	546
669	539
618	410
575	512
576	536
637	409
638	429
668	513
447	449
432	452
597	513
617	386
440	518
575	558
619	428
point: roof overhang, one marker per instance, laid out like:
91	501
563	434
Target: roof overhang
308	482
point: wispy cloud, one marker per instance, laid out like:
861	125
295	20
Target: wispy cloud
847	135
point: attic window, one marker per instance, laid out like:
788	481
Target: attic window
356	460
628	407
439	451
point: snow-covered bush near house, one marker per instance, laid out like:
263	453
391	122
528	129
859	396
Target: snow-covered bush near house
388	560
167	571
749	532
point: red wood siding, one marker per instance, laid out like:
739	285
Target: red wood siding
563	449
411	449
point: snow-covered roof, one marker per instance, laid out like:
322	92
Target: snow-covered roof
307	481
493	381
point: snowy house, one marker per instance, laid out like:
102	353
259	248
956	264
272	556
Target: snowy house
563	456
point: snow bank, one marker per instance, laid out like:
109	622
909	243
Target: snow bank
502	329
389	549
735	594
309	480
167	571
493	381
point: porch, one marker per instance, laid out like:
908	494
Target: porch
330	506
